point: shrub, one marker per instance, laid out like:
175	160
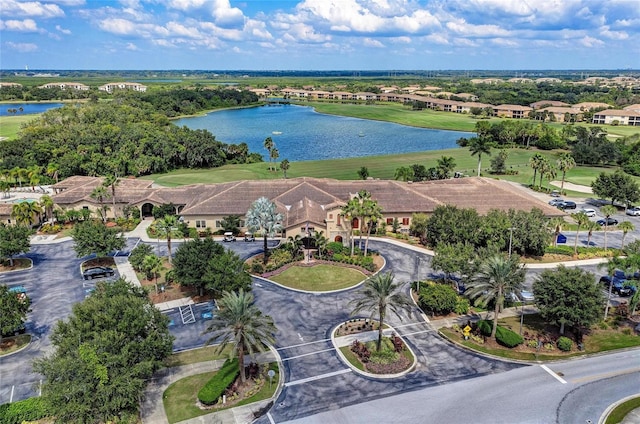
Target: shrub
437	298
193	233
462	306
564	344
138	254
280	257
533	344
257	268
508	338
484	327
211	392
31	409
335	247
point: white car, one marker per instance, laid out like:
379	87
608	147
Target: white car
635	211
589	212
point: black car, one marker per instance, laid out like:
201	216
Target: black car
567	204
619	285
607	221
100	271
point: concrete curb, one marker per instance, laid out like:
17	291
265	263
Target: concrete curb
21	269
610	408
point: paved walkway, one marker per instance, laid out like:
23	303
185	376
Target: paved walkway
152	406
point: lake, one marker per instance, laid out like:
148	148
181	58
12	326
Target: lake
300	133
27	108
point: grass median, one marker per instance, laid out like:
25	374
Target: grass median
319	277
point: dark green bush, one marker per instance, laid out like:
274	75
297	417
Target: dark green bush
484	327
257	267
211	392
335	247
136	258
25	410
564	344
437	299
508	338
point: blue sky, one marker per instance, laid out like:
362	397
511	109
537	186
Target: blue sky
320	34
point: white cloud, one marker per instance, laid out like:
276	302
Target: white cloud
463	28
27	25
132	47
177	29
62	30
68	2
22	47
32	8
372	42
304	33
591	42
505	42
225	15
613	35
401	40
185	5
118	26
437	39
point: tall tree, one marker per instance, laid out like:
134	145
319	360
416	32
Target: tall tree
14	239
167	227
104	354
53	171
446	164
152	267
350	212
565	163
607	211
568	296
535	162
263	219
556	225
192	262
581	220
110	182
269	145
284	167
100	194
497	277
273	156
225	272
403	173
363	173
625	227
14	310
47	204
616	186
378	295
591	226
478	147
94	237
25	213
242	325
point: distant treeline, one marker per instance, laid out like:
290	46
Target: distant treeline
130	135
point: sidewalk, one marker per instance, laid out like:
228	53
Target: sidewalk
462	320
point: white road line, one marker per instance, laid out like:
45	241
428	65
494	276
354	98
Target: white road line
318	377
300	337
11	397
556	376
416	332
302	344
410	324
270	418
307	354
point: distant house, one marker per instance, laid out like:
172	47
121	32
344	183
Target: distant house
512	111
113	86
546	103
563	114
66	86
617	117
10	84
587	106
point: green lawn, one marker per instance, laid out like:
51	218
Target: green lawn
319	277
180	398
196	355
9	125
619	412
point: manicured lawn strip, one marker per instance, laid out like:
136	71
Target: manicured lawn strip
194	356
619	412
21	341
352	358
10	125
180	398
319	277
602	342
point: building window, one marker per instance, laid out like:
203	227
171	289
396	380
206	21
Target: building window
389	221
218	224
405	221
201	223
338	221
330	216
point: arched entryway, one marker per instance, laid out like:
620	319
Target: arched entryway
147	210
338	239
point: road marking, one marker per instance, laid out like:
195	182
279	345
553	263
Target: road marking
307	354
602	376
416	332
270	418
11	397
556	376
317	377
258	284
302	344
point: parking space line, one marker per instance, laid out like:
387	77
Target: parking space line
317	377
556	376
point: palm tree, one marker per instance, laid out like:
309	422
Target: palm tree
581	219
497	277
99	193
167	227
625	226
263	219
47	203
373	214
53	170
591	227
364	199
378	294
550	173
242	325
349	212
5	186
556	224
545	165
565	163
24	212
268	144
321	242
535	162
284	167
111	181
152	266
274	155
33	173
445	165
479	146
611	265
607	211
403	173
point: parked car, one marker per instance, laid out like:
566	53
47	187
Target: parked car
619	285
607	221
99	271
635	211
249	237
556	201
555	193
567	204
228	236
588	211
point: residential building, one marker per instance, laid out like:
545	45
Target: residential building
113	86
66	86
617	117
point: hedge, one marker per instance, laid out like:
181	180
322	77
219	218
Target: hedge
508	338
564	344
31	409
485	327
211	392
